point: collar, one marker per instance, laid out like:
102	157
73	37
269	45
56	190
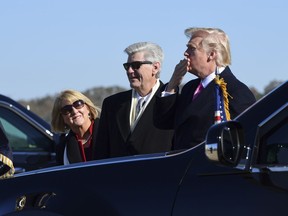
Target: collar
146	97
134	100
211	76
90	131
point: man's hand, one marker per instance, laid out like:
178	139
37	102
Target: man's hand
177	76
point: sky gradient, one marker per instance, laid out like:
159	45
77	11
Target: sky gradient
47	46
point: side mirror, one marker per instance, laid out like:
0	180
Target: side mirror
225	143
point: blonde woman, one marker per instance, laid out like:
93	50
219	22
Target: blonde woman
75	115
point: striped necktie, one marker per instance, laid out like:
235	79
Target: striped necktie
139	106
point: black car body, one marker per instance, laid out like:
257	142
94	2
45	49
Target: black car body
30	137
241	169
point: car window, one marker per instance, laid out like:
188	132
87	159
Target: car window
274	145
22	135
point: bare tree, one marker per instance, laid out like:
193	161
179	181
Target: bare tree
273	84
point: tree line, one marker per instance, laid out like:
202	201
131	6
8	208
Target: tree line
43	106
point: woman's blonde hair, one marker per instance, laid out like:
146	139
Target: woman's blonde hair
57	122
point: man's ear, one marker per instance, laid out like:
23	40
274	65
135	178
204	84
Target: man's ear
211	55
156	67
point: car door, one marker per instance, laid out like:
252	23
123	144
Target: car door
271	155
258	185
210	189
32	146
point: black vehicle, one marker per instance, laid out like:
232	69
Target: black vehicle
30	137
241	169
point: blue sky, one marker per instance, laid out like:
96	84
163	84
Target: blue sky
47	46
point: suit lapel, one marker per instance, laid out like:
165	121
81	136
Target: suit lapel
185	102
146	120
73	151
123	115
190	107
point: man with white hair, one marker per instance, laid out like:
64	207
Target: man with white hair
126	122
215	95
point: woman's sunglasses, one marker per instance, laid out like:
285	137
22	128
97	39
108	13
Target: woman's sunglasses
67	109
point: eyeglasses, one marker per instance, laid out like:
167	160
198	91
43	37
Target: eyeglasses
67	109
135	65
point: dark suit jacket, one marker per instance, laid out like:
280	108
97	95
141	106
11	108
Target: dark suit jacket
73	151
192	119
114	137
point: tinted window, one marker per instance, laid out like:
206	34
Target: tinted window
274	145
22	135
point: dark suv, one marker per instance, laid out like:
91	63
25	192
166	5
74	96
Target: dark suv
241	169
31	139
